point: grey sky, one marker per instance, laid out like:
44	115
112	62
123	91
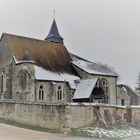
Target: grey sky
99	30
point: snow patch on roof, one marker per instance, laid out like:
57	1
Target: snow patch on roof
22	61
43	74
92	68
125	86
84	88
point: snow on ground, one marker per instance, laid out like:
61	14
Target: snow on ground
107	133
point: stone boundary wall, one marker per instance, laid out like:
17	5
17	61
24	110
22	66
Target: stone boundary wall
39	115
65	117
106	116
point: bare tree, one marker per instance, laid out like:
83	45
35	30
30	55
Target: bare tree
108	68
137	89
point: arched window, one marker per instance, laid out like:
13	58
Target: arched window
41	93
3	81
24	80
59	93
105	84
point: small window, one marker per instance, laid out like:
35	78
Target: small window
104	83
41	93
59	94
124	89
3	82
122	102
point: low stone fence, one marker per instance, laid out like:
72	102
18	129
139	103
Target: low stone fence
97	114
65	117
34	114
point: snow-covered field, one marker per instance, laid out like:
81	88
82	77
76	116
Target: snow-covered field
107	133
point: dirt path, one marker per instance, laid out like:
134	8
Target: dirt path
8	132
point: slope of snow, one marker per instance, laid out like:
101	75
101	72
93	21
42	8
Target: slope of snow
84	88
93	68
22	61
42	74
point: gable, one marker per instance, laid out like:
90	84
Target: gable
5	54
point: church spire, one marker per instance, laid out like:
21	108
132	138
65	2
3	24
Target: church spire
54	35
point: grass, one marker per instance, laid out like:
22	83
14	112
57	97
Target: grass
36	128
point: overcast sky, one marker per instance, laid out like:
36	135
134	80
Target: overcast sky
107	31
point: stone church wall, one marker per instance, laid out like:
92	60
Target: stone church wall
65	117
6	70
25	92
50	91
5	82
123	96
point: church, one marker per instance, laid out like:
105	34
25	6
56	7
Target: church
45	71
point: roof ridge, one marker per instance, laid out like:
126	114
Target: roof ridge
9	34
76	56
29	38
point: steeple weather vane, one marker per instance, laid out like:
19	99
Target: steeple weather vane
54	13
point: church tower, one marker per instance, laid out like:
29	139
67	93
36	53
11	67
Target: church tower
54	35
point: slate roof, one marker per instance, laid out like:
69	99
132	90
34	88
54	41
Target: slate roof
54	35
127	88
85	88
92	67
48	55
